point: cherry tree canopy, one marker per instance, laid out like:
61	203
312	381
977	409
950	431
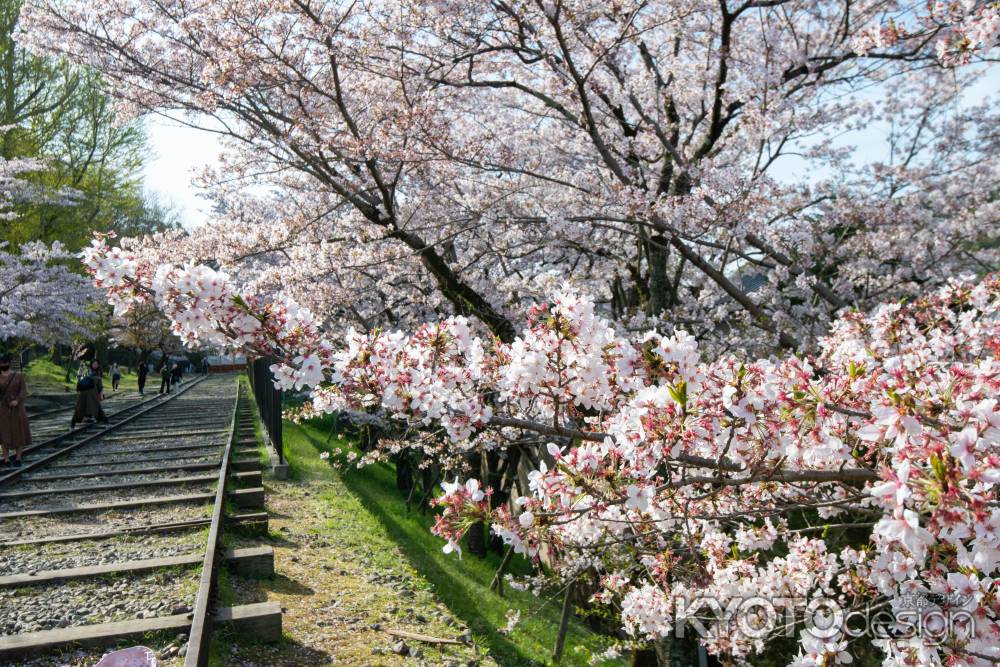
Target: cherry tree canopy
41	299
864	476
143	328
15	189
464	157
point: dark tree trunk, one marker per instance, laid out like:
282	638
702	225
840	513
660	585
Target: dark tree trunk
476	539
643	658
404	471
567	608
466	300
660	287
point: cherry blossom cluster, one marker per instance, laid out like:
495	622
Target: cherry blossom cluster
973	29
864	474
462	505
205	308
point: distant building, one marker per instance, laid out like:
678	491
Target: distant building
223	363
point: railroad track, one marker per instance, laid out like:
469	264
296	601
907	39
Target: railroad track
57	418
113	400
52	425
107	535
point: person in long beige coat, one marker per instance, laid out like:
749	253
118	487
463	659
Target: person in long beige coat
15	432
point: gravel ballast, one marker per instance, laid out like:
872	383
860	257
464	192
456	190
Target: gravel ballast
120	549
99	600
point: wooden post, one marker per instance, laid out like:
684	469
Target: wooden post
563	623
497	583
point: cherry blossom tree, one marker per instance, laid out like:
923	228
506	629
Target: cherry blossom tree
41	299
14	188
862	477
143	329
693	383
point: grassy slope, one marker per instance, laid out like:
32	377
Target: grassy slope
45	377
462	585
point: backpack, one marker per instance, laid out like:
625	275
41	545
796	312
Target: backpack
86	383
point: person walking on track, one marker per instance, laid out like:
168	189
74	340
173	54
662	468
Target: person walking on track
15	432
116	377
141	374
165	374
89	394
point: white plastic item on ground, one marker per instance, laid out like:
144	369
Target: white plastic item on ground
137	656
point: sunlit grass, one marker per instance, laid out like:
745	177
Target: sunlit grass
46	377
463	585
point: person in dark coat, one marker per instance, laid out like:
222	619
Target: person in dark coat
164	375
15	432
177	374
89	394
141	374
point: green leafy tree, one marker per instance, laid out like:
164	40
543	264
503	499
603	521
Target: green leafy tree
62	114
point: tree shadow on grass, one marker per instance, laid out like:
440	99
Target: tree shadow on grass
461	586
282	584
276	538
449	591
287	651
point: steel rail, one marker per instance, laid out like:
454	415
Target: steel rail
201	631
98	433
204	613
